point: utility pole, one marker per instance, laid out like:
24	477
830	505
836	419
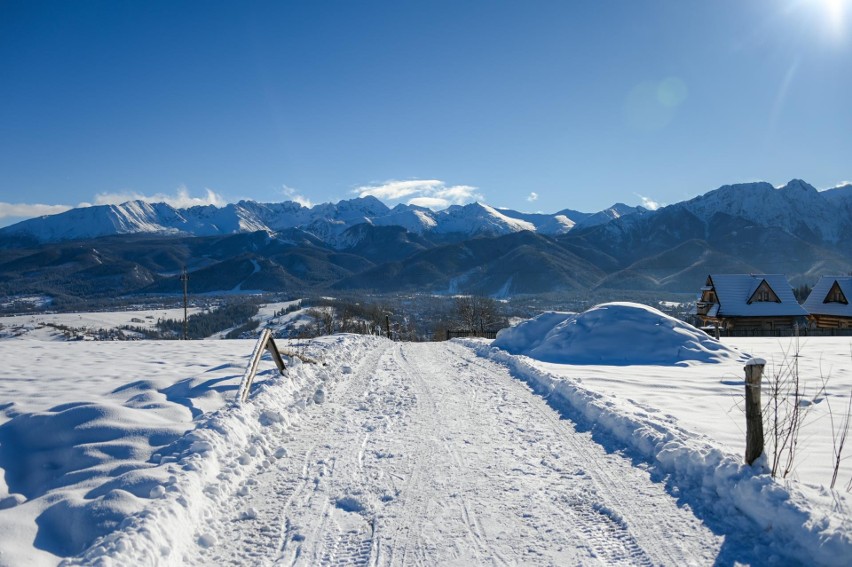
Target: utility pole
185	279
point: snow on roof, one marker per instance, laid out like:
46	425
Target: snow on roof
816	305
734	291
613	334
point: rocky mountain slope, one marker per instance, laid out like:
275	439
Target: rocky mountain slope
361	244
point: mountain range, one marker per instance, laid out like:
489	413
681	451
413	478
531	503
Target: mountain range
362	244
328	222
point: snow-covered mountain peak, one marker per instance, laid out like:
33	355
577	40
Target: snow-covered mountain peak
616	211
797	208
367	206
411	218
478	219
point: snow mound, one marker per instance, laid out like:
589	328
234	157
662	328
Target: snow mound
613	334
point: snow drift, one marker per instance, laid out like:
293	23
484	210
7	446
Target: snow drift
614	334
126	475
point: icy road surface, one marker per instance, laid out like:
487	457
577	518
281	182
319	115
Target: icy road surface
425	454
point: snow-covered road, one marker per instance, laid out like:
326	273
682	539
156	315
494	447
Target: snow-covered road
427	454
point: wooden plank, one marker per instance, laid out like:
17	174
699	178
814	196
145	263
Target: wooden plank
265	342
273	350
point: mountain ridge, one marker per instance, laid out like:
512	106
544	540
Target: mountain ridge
327	221
361	244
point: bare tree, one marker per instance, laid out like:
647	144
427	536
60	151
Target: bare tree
477	313
786	411
324	322
840	432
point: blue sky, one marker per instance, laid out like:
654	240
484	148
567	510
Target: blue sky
536	106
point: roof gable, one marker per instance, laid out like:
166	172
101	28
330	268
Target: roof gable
763	293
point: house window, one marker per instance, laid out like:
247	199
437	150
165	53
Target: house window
762	295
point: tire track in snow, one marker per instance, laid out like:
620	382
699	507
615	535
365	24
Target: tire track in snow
641	531
431	469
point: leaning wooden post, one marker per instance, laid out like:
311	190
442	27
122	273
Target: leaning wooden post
265	342
754	414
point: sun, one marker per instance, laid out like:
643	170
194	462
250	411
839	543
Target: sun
834	11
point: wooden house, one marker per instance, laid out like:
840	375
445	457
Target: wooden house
749	302
828	304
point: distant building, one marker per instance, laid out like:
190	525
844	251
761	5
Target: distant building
828	303
749	302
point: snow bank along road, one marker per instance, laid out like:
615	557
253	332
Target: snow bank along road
426	454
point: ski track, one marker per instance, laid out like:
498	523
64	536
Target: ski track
426	454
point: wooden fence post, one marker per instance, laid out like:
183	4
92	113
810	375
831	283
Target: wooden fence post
754	415
265	342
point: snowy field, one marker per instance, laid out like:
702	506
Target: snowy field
709	399
394	453
50	326
47	326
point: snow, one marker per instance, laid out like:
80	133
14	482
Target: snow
44	326
794	207
644	335
678	430
461	452
50	326
410	218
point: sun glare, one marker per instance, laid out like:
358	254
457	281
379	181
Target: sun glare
834	12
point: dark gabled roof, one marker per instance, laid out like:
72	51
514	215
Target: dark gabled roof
734	291
816	303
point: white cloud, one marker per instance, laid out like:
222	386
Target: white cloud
431	193
459	194
532	197
393	190
649	203
293	195
181	199
26	210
